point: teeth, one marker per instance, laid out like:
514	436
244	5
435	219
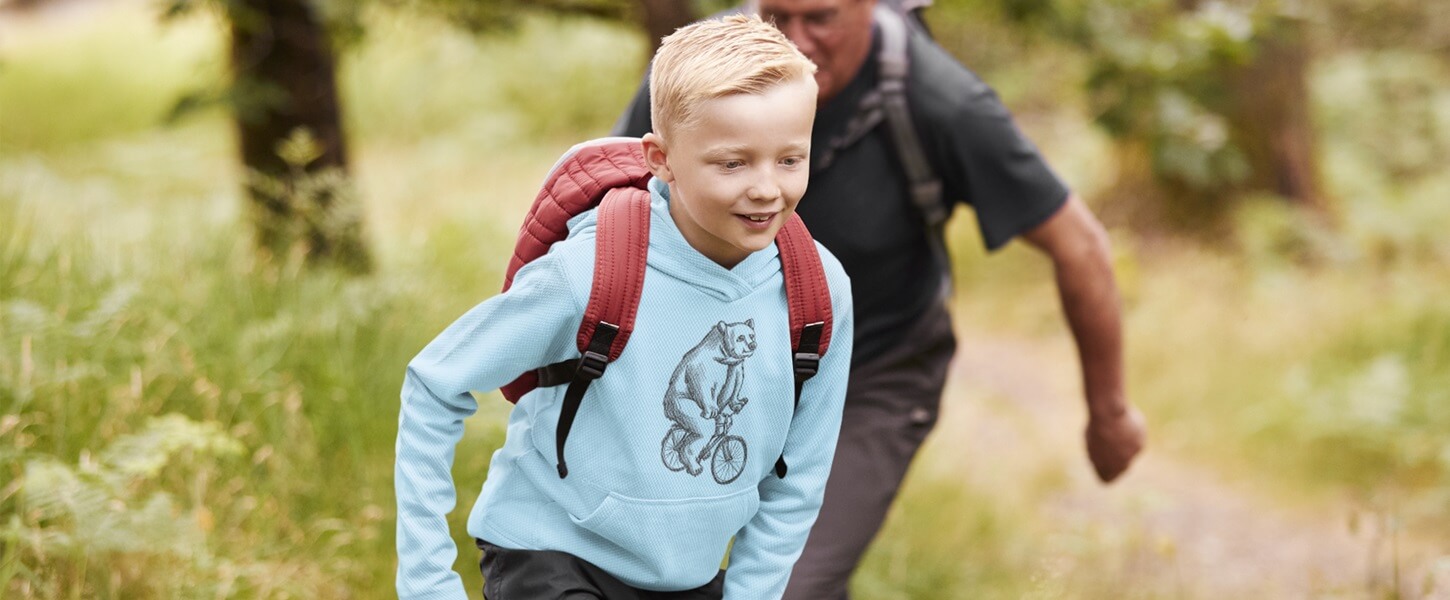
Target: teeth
758	219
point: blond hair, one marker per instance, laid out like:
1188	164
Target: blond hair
735	55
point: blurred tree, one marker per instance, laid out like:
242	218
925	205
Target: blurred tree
290	132
283	96
1267	106
663	17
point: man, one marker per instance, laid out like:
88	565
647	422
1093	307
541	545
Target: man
860	205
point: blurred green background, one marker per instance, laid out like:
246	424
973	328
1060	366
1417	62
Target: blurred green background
185	416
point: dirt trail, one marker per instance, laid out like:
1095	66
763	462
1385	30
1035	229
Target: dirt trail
1170	528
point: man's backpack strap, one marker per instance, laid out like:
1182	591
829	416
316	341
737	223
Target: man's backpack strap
923	185
621	244
926	187
911	10
888	103
808	297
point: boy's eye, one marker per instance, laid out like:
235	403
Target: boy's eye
792	161
733	164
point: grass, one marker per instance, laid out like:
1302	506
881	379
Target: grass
135	321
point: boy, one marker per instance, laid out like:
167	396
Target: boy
646	510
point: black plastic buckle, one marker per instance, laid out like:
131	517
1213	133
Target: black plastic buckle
807	363
592	365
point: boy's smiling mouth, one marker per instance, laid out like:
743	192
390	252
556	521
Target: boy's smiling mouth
758	220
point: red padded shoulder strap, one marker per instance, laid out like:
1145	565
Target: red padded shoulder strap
577	183
806	290
621	246
611	172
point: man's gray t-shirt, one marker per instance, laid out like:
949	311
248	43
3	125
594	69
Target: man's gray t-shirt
858	207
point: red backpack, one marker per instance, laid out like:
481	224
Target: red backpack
611	173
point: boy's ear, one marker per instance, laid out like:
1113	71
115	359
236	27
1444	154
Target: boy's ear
656	156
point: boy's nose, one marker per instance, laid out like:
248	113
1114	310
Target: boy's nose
765	189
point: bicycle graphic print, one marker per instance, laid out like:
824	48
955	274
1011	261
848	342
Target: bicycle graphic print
705	395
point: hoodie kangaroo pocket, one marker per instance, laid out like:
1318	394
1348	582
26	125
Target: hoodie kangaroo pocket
684	539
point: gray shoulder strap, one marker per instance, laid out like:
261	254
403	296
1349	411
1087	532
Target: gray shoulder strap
888	103
925	187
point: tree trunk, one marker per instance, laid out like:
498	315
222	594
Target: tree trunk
1269	113
662	17
290	132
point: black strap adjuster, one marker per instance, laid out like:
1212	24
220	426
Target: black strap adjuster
591	365
807	364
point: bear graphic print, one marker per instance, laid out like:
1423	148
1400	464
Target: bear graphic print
705	394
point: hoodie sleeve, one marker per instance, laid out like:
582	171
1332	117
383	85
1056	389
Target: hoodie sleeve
530	325
768	546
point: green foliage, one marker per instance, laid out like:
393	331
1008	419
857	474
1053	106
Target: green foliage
1156	74
126	291
1375	404
1273	233
107	511
1386	133
314	214
1390	109
507	89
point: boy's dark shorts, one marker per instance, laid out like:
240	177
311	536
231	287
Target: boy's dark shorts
546	575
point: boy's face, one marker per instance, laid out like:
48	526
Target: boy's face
737	172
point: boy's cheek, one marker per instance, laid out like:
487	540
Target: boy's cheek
797	190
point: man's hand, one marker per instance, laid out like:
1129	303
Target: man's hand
1113	441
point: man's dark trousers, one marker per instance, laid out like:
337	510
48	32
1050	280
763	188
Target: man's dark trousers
891	405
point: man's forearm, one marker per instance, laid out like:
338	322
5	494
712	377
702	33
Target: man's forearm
1090	301
1081	256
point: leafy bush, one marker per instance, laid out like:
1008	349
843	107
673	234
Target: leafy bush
106	511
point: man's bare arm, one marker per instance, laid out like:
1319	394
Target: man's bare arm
1082	259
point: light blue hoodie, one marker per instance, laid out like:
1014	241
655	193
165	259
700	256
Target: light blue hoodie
629	504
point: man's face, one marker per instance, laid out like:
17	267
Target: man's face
834	34
737	173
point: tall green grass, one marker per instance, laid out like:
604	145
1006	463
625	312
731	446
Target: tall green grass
301	369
